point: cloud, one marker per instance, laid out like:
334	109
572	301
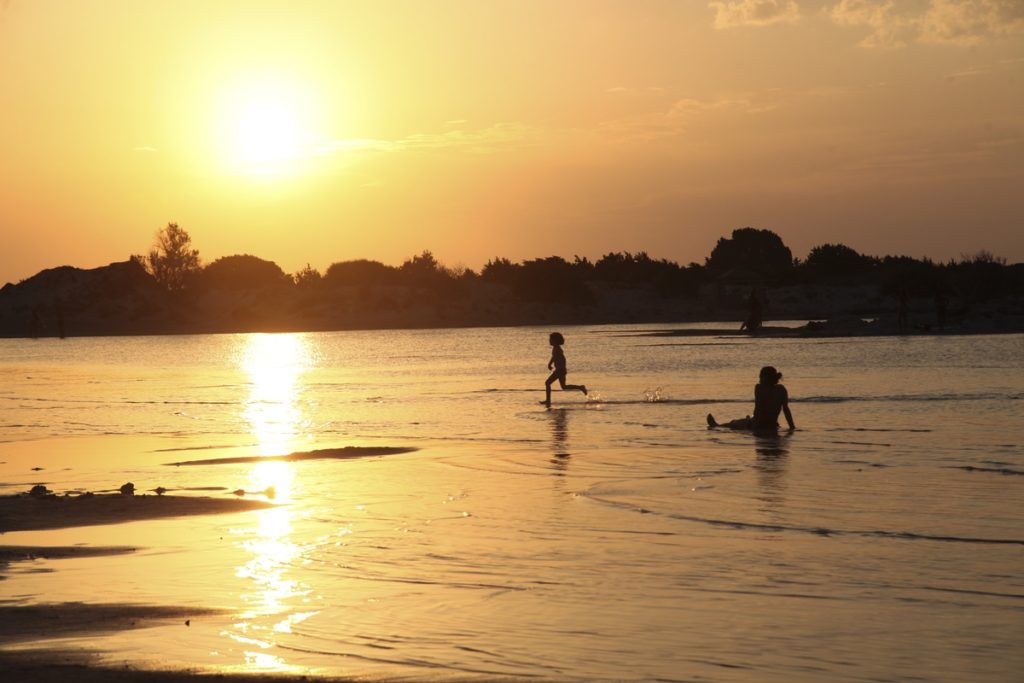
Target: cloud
648	90
951	22
483	140
889	27
986	69
733	13
968	22
677	118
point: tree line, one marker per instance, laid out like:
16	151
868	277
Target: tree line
750	256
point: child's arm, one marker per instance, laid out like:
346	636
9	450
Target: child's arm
551	363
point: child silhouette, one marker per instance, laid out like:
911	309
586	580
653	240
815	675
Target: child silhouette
558	367
770	399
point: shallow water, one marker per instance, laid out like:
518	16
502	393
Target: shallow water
610	537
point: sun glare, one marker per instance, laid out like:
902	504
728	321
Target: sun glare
268	132
267	126
275	364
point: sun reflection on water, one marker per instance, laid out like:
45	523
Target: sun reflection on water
273	555
274	364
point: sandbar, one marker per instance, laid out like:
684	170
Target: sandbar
346	453
27	553
33	513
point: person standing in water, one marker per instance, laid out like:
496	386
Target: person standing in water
559	369
770	399
755	316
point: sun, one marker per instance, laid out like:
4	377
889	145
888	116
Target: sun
268	133
267	125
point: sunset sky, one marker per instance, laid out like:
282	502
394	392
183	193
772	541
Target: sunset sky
326	131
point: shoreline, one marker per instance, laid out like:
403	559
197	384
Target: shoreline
844	327
841	325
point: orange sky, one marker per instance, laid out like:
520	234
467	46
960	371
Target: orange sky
326	131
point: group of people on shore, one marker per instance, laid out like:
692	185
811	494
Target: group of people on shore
770	397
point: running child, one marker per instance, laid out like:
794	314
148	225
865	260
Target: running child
558	367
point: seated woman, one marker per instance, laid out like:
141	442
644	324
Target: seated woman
770	398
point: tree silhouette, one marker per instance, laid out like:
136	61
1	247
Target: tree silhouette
758	253
243	271
835	260
360	272
982	276
500	271
172	261
423	270
307	277
551	280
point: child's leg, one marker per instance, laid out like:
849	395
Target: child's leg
574	387
547	385
741	423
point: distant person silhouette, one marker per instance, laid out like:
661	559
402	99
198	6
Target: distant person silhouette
901	312
770	398
558	365
755	315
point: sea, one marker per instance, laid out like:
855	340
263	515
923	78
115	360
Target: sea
610	537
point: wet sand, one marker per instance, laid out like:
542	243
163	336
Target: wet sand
20	624
33	513
346	453
23	553
60	666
